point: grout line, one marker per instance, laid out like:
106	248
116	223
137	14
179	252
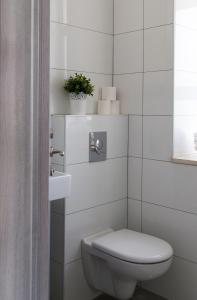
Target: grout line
96	206
133	199
73	261
81	28
159	160
87	162
128	172
143	28
82	71
186	259
113	50
171	208
158	26
142	125
146	72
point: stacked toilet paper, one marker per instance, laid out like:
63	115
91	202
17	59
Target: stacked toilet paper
108	105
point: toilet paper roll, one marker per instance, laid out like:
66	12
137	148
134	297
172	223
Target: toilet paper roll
109	93
115	107
104	107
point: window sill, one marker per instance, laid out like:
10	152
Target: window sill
186	159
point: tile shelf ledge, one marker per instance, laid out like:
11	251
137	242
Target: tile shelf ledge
186	159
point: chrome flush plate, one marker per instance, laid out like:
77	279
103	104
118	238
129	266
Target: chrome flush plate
97	146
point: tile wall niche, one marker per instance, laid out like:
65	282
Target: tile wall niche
98	198
81	41
162	195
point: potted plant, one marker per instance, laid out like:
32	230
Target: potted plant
79	87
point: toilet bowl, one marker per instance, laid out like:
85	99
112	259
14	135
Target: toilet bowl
114	261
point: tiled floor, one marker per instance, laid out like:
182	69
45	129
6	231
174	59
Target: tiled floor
140	294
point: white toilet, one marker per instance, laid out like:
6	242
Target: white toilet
114	261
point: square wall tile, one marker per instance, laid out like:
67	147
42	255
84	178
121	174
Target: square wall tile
158	137
134	178
171	185
158	48
176	227
77	136
128	15
95	15
158	93
78	49
91	221
76	286
158	12
95	184
179	283
128	52
135	136
134	215
129	92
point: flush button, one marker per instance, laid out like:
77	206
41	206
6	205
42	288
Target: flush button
97	146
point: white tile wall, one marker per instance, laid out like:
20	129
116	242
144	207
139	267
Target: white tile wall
168	197
135	136
178	284
76	286
158	137
82	41
77	136
95	15
158	48
158	93
99	183
134	215
106	216
99	191
128	53
129	91
128	16
170	185
158	12
83	50
176	227
134	178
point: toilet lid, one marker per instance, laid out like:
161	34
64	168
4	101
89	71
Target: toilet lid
134	247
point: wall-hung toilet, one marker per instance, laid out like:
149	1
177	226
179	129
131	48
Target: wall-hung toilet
114	261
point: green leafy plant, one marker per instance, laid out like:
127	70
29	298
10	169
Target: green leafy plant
78	84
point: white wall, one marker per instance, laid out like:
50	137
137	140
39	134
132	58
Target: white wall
162	195
81	41
98	198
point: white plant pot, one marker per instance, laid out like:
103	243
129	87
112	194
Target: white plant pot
78	104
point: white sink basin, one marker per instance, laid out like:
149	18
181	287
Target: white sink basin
59	186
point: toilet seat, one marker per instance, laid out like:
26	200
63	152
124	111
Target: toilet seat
134	247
